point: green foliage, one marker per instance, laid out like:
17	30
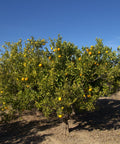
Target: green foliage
56	81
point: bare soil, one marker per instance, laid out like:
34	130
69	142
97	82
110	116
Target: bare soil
99	127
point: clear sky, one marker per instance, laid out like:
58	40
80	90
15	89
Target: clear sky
78	21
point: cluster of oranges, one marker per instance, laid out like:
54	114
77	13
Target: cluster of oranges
89	52
60	115
89	95
24	79
58	49
4	107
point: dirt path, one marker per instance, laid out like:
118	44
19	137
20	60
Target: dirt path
99	127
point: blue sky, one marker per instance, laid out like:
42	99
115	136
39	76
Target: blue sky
78	21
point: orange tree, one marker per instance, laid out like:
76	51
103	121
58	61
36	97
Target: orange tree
58	81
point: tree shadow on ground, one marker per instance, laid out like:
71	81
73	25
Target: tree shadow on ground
26	133
105	118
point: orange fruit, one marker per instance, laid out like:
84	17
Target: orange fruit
58	49
106	51
90	89
1	92
26	78
40	65
87	50
27	86
79	58
59	56
80	74
49	57
66	74
90	53
43	40
60	116
43	43
88	95
59	98
23	79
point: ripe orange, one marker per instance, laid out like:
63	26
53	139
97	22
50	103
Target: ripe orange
23	79
58	49
59	98
26	78
87	50
106	51
79	58
1	92
60	116
88	95
49	57
59	56
80	74
90	89
40	65
43	40
90	53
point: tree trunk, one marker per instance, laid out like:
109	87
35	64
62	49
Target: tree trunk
66	127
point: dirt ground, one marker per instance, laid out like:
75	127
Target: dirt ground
99	127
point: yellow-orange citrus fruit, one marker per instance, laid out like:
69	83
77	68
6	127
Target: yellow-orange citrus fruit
92	46
59	98
43	43
79	58
40	65
80	74
90	89
58	49
27	86
6	107
1	92
66	74
24	64
60	116
88	95
106	51
26	78
59	56
90	53
43	40
4	103
49	57
23	79
87	50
